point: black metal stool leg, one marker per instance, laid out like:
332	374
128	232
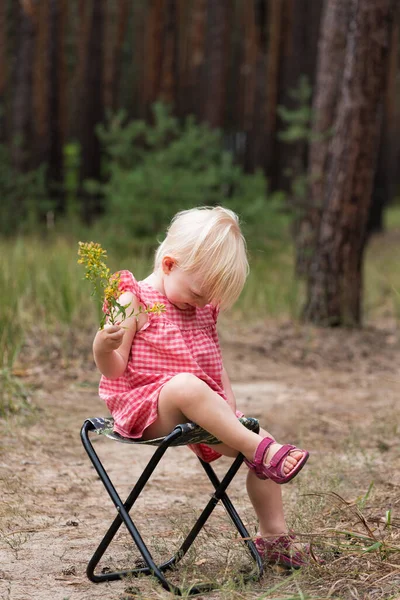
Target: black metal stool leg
124	517
220	488
220	494
212	503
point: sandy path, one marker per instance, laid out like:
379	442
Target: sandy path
54	509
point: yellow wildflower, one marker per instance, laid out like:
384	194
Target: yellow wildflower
157	309
106	286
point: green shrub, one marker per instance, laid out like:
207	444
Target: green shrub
11	325
14	396
24	199
155	170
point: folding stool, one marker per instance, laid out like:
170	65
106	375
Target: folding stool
188	433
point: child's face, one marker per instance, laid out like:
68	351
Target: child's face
182	289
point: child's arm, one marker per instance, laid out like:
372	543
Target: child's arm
112	345
226	384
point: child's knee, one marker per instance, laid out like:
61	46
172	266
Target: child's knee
186	387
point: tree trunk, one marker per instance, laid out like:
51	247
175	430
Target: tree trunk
216	53
92	108
3	66
116	20
385	177
182	55
108	53
41	84
331	56
251	92
248	66
275	10
196	53
256	139
57	95
335	278
139	53
299	39
169	70
22	97
154	34
77	98
122	22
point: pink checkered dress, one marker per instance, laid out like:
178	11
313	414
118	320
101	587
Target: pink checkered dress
178	341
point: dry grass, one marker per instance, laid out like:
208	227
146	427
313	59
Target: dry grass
342	388
361	556
346	503
356	532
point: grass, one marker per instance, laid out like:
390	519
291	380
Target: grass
45	291
361	559
271	290
44	285
14	395
340	504
356	529
382	280
392	216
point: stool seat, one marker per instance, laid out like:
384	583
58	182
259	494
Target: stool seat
181	435
191	433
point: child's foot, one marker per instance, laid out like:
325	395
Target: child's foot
291	459
276	462
283	550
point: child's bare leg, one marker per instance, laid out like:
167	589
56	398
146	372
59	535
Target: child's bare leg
266	498
185	397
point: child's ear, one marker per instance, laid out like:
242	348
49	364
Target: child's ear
167	264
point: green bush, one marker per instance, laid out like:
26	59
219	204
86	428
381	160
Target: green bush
24	199
155	170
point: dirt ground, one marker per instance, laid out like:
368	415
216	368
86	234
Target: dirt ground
334	392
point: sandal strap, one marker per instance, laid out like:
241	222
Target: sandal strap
262	449
280	550
274	469
283	542
259	454
281	454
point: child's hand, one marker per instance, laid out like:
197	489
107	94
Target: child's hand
109	339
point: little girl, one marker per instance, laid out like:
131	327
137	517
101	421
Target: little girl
162	370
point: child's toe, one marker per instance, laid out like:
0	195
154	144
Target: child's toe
295	456
291	460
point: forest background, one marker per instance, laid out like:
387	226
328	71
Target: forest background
115	114
118	114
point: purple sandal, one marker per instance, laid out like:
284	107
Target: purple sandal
274	470
279	551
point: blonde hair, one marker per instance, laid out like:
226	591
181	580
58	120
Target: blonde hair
208	242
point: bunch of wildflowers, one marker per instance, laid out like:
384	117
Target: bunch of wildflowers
106	286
